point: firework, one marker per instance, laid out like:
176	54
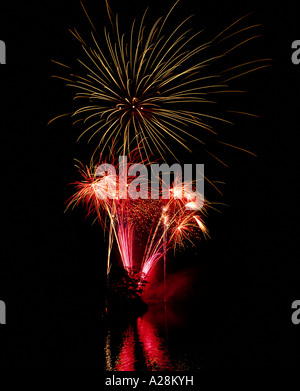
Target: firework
102	196
165	223
149	88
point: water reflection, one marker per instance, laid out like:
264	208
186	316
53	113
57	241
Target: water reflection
151	342
126	358
154	346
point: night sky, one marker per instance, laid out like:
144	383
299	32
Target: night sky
52	264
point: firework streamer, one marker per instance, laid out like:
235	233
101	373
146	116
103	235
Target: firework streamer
165	266
110	244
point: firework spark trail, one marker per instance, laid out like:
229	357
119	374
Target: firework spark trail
140	90
125	239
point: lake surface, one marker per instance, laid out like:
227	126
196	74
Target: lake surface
166	337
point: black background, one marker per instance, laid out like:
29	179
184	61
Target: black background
52	263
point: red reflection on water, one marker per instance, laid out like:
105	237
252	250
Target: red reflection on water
146	336
155	354
126	358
